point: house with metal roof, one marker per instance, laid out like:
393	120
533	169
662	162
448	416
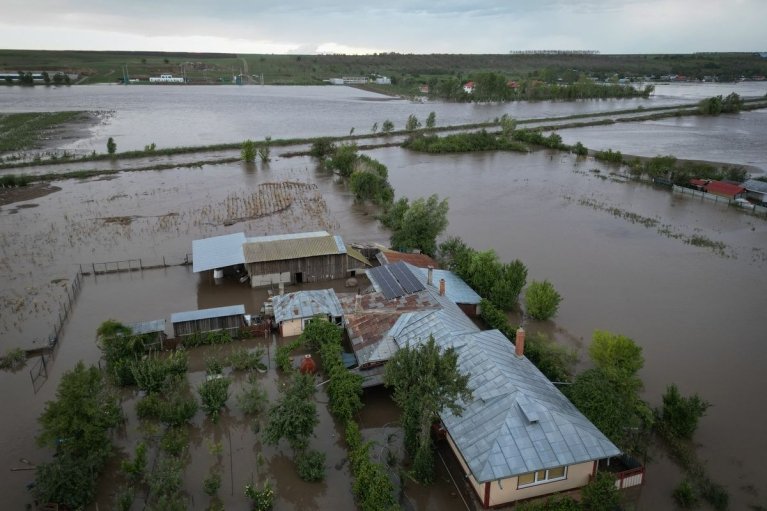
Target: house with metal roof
292	311
282	258
518	437
229	319
387	256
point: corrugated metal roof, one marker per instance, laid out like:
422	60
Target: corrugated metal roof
305	304
518	421
216	312
754	185
356	254
293	248
455	288
217	252
148	327
420	260
291	236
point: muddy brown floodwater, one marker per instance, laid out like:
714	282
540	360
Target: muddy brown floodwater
615	250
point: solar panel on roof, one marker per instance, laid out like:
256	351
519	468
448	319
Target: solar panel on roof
407	280
388	284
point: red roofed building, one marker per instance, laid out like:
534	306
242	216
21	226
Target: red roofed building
392	256
511	84
722	189
468	87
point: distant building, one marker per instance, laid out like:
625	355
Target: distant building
229	319
468	87
424	88
383	80
756	190
166	79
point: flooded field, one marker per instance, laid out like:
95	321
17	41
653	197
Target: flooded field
619	252
202	115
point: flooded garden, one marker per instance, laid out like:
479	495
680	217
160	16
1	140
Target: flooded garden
620	252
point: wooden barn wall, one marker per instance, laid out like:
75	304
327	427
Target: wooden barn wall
314	269
230	323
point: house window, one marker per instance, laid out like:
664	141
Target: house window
541	476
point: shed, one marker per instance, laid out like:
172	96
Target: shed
153	333
300	257
293	311
392	256
724	189
230	319
217	252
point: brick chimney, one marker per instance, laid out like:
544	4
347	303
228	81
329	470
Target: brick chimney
442	287
519	342
430	276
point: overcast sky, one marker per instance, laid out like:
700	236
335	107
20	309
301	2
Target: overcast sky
360	26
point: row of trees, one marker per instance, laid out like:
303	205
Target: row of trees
716	105
29	80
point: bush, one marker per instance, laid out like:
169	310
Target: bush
412	123
13	359
580	149
282	357
253	399
111	146
311	466
13	180
135	469
387	127
542	300
175	440
684	495
243	360
262	500
212	483
681	414
322	148
343	160
609	156
600	494
715	495
151	373
248	151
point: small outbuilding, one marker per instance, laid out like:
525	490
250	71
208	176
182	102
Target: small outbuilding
229	319
293	311
756	190
152	332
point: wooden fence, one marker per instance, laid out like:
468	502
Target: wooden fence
129	265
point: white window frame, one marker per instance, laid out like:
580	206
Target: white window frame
545	480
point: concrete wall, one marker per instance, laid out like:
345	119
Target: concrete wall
269	279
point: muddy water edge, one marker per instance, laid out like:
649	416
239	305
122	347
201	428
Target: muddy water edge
695	311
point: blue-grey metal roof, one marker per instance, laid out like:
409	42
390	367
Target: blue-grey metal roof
217	252
394	280
517	421
754	185
305	304
148	327
455	288
216	312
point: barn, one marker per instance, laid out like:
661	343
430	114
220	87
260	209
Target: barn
229	319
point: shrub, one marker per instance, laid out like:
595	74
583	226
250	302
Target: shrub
252	400
343	160
135	469
111	146
412	123
212	483
311	466
248	151
684	495
715	495
151	373
609	156
175	440
265	150
580	149
542	300
600	494
263	499
322	148
243	360
282	357
13	359
387	127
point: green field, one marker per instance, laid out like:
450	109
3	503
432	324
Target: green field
24	131
407	70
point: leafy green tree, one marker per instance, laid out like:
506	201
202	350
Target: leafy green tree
213	394
416	225
111	146
431	120
426	381
265	150
580	149
681	414
508	125
369	186
311	466
412	123
248	151
387	127
616	354
46	78
343	159
294	416
542	300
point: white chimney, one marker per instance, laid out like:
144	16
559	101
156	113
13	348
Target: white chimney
430	276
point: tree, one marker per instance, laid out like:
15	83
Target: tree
681	414
416	225
542	300
213	394
580	149
46	78
431	120
322	148
248	151
426	381
616	355
295	414
412	123
265	150
343	159
374	129
387	127
111	146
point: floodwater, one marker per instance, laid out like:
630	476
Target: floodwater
696	311
201	115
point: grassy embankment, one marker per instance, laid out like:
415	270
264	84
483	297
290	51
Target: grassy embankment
25	130
407	70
